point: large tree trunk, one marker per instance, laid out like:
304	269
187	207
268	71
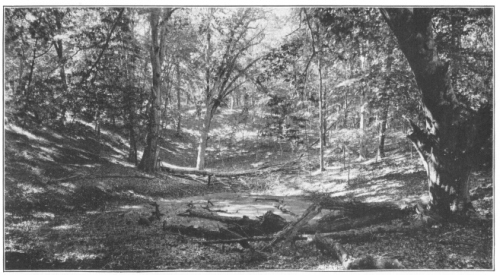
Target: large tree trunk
444	145
148	161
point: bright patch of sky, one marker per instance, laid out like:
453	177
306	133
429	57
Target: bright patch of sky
278	25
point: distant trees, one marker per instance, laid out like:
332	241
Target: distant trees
338	70
226	60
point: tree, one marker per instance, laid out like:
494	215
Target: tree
158	20
226	63
316	38
450	139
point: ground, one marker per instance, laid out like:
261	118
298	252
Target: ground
90	219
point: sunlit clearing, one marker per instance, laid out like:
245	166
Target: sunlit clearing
190	112
49	150
43	215
327	267
380	198
66	227
61	191
257	164
252	211
120	162
28	225
131	207
119	151
30	189
246	134
57	136
195	133
280	191
21	131
88	124
75	255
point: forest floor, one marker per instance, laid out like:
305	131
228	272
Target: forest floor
89	220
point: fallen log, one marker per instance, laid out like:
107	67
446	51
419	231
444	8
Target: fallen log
354	214
292	229
81	176
267	224
214	217
165	167
253	239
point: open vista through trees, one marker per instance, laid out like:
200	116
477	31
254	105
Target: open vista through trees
224	138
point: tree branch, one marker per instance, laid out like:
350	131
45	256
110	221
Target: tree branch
108	38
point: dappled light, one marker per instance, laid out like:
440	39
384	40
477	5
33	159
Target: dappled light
18	130
248	138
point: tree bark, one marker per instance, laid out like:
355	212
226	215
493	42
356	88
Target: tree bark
444	145
179	116
385	110
382	129
202	145
158	35
58	45
130	99
321	120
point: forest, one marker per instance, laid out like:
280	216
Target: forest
248	138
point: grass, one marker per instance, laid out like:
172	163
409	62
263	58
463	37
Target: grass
91	222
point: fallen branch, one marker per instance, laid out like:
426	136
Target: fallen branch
210	173
80	176
269	199
292	229
254	239
354	214
210	216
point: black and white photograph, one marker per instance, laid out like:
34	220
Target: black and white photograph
248	138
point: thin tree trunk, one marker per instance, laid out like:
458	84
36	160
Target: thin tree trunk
58	45
202	146
362	111
362	142
321	122
385	110
27	104
179	115
382	129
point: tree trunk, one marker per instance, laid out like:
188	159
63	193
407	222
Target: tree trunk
148	161
321	121
382	128
444	145
385	110
362	141
179	116
28	103
58	45
202	146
